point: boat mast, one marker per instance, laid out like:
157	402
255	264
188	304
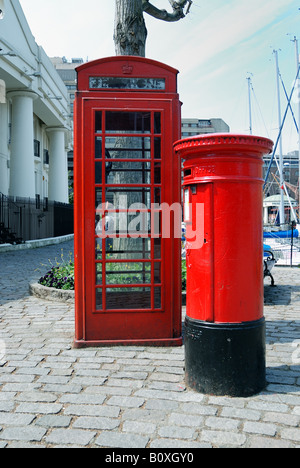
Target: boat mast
281	208
298	100
250	106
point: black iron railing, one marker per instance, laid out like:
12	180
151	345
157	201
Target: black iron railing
23	219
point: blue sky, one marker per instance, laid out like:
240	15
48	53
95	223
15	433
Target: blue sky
214	48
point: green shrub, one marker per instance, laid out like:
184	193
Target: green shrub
61	275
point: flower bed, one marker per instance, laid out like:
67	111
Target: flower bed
60	276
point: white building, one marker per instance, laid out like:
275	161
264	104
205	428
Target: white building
34	115
67	71
191	127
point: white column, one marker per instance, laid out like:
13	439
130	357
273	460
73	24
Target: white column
58	165
22	182
4	173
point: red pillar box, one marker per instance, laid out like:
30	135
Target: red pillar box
127	273
223	203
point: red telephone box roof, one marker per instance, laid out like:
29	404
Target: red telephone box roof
157	76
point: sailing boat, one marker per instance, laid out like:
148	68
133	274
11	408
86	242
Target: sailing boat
284	195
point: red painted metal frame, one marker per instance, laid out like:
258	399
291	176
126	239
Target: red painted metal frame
104	327
225	276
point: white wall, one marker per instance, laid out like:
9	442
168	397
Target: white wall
25	68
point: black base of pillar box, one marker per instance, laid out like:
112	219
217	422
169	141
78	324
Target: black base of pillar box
225	359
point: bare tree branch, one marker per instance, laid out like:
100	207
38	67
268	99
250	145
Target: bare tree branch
178	10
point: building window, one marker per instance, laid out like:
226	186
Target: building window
38	201
37	146
45	204
204	123
46	156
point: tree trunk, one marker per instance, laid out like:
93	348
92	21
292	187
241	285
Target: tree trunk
130	29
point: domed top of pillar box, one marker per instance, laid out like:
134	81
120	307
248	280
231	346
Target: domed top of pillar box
222	143
219	156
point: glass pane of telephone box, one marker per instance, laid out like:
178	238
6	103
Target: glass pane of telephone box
123	223
98	122
128	147
157	172
99	298
98	148
98	274
98	198
124	198
157	248
157	122
157	273
129	173
98	249
157	298
157	148
128	298
128	273
98	172
126	248
128	122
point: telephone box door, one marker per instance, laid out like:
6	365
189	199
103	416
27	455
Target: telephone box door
131	271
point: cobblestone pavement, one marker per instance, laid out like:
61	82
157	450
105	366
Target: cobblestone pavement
52	395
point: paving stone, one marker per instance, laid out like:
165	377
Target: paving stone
7	406
223	439
189	420
165	405
177	432
139	427
99	423
70	437
119	440
69	388
203	409
222	423
243	414
134	414
127	402
26	434
291	434
54	421
109	390
284	419
267	442
93	410
82	398
14	419
36	397
260	428
42	408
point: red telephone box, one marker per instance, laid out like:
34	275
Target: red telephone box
127	273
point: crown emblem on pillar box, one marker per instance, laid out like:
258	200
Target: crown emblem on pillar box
127	69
